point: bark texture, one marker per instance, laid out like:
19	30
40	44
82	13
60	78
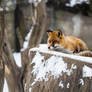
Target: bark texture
40	23
12	71
8	66
52	85
1	44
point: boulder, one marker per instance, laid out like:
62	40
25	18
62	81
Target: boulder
52	71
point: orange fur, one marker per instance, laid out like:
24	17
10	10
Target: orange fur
57	38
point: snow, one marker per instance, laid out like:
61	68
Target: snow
53	66
87	71
27	38
68	85
35	2
81	82
30	89
17	57
5	89
6	8
61	84
44	49
74	2
69	71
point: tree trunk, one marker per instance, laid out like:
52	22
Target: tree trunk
13	73
9	22
40	24
1	43
90	4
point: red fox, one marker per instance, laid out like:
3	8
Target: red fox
56	38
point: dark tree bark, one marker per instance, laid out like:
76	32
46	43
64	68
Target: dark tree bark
10	22
1	44
12	71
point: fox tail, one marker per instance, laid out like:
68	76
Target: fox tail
85	53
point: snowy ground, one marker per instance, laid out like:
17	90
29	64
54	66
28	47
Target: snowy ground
74	2
5	86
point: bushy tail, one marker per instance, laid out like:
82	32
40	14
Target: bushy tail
85	53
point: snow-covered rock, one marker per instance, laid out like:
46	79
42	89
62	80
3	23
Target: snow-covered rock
51	70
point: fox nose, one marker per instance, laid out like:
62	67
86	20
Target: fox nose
49	47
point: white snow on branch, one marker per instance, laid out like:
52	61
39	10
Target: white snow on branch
17	57
61	84
74	2
5	89
27	38
87	71
44	49
68	85
81	82
30	89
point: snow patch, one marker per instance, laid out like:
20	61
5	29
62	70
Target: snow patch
6	8
35	2
68	85
5	89
61	84
74	2
81	82
17	57
53	66
44	49
87	71
69	71
27	38
30	89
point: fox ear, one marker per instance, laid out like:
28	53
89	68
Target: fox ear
49	31
59	33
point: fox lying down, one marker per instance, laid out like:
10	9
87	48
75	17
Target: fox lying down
57	39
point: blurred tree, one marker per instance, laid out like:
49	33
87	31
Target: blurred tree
1	44
91	4
14	74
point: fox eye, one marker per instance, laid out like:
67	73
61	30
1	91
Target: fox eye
54	41
49	41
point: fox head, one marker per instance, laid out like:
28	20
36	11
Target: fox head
54	37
